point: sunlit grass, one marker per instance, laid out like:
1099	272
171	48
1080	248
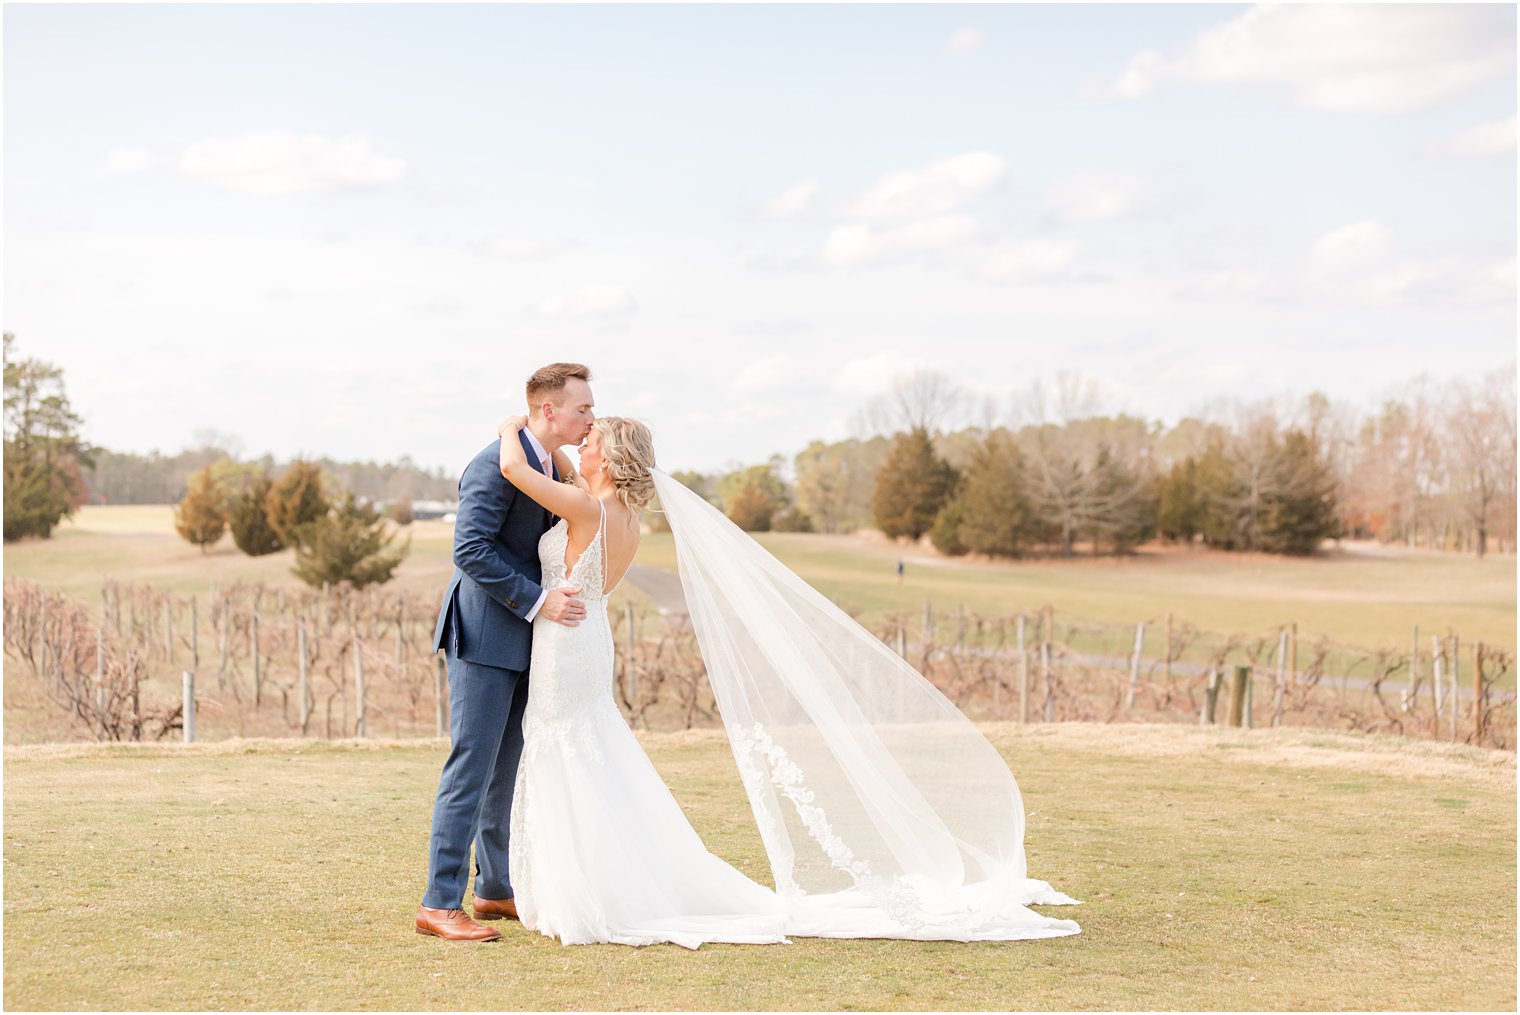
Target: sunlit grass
1268	869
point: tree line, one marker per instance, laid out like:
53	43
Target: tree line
1433	466
122	477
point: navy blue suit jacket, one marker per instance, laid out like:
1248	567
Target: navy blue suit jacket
497	575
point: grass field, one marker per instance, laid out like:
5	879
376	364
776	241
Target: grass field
1267	869
1362	598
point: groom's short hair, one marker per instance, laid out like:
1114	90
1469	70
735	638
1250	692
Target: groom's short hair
551	380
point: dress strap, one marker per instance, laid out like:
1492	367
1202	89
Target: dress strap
601	531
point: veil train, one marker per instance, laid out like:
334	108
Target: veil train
883	810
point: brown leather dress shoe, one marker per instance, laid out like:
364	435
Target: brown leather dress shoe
452	925
495	909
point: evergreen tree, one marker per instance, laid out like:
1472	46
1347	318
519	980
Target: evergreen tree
248	518
996	515
1300	507
946	532
912	487
1180	508
296	500
1124	504
350	543
201	518
1222	502
43	450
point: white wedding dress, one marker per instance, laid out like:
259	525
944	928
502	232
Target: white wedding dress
601	852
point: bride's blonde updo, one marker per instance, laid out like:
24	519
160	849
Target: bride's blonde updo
628	451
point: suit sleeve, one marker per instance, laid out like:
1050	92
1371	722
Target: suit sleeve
484	499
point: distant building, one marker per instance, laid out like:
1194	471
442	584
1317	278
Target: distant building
426	510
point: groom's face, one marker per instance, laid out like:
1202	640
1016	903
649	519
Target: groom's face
570	419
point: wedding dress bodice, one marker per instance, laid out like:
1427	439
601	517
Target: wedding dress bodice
571	671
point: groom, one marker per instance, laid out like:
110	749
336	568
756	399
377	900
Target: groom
485	630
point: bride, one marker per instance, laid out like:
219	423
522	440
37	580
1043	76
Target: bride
883	811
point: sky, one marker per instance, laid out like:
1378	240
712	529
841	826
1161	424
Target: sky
355	230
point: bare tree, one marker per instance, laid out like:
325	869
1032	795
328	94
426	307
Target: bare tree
1070	447
1480	425
920	399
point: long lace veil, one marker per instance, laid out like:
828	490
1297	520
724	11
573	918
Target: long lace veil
870	788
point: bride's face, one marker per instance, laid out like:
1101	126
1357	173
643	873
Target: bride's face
591	455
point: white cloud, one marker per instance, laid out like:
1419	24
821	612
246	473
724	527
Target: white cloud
965	40
1226	283
520	248
281	163
872	375
1345	57
1477	142
587	301
1097	196
939	188
859	243
1358	246
793	202
1362	262
1036	258
765	374
1495	283
122	161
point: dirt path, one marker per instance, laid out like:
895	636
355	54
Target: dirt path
661	586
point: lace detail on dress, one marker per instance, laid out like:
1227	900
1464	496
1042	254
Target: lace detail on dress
570	736
897	897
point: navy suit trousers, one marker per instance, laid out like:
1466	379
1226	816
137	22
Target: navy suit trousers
486	706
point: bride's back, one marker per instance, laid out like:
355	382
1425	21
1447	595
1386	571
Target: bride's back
621	542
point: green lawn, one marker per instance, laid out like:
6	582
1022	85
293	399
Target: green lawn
1267	869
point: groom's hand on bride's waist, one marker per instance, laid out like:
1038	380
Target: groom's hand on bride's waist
561	606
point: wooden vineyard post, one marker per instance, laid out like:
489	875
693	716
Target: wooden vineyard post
1050	696
1238	694
258	673
1210	698
1282	687
1134	665
1023	672
361	728
1478	710
303	710
1456	676
189	706
1166	664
